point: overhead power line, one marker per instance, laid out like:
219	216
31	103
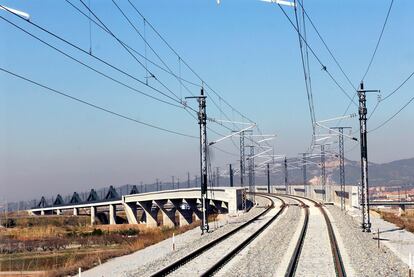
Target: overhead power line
380	100
391	117
187	65
129	51
395	90
96	106
324	68
90	67
87	53
146	43
379	40
306	69
326	45
143	56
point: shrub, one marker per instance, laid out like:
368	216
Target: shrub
129	232
97	232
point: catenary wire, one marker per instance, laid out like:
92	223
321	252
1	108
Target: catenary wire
379	40
87	66
391	117
326	46
390	94
95	106
324	68
143	56
129	51
91	55
187	65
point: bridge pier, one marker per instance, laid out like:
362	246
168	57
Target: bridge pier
42	212
93	215
58	212
150	219
185	215
112	214
219	206
193	207
168	216
131	212
75	211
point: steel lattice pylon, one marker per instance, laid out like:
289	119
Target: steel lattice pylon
342	167
304	175
251	173
366	222
286	176
323	172
242	159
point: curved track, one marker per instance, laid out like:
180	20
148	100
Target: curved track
337	258
229	255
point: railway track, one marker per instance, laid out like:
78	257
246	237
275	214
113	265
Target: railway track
229	238
337	258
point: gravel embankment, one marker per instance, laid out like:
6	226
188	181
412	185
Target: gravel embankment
194	243
267	251
209	258
365	257
316	256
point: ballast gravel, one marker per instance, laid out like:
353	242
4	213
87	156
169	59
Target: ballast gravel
263	257
196	242
362	249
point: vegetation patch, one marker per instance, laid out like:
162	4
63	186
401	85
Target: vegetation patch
405	220
58	246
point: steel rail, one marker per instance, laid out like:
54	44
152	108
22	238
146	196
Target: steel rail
225	259
182	261
293	263
336	253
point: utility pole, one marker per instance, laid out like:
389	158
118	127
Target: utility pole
268	178
231	175
323	172
158	188
252	186
242	159
304	175
188	179
366	221
218	176
286	176
202	121
342	167
178	182
172	179
342	163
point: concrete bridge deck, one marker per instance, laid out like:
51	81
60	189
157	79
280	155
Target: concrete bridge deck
185	202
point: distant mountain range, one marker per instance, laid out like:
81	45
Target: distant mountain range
393	173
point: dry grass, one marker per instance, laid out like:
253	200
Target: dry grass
406	220
147	237
111	241
36	232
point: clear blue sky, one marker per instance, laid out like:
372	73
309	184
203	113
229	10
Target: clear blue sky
246	50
